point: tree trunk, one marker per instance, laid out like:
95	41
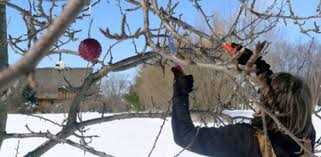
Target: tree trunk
3	64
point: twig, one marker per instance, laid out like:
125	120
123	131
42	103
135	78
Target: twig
160	131
56	138
17	148
45	119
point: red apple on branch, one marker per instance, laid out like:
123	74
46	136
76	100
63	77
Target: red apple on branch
90	49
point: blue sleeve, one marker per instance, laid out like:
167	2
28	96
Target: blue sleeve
232	140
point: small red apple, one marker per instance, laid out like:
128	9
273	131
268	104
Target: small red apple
90	49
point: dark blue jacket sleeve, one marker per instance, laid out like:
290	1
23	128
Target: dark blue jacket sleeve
232	140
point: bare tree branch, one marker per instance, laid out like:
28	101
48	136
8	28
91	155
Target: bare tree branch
74	107
59	140
41	47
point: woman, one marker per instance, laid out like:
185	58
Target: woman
289	100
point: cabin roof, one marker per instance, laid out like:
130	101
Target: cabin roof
50	80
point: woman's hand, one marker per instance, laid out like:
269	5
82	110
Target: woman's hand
183	84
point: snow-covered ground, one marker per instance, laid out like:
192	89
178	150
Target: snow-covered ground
121	138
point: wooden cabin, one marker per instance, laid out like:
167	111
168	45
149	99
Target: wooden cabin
54	96
52	90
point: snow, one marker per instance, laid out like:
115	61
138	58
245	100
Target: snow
120	138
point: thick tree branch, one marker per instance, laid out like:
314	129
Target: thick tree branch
74	107
41	48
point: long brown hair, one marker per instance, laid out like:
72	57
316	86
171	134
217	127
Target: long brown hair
291	102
